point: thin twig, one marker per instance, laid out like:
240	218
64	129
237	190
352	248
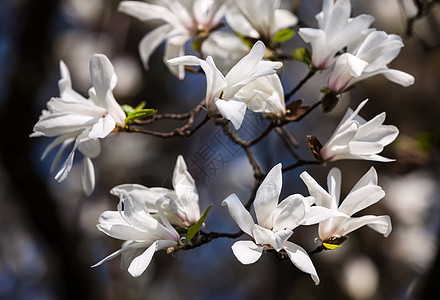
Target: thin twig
309	75
288	140
311	108
207	237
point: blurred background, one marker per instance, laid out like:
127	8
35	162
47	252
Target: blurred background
48	235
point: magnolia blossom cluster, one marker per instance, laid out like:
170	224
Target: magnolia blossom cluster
241	73
356	51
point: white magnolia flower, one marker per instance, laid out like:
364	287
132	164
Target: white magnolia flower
355	138
143	234
366	192
275	223
370	58
73	119
221	90
264	95
183	20
337	33
260	19
180	206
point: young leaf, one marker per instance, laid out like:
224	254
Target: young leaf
140	105
302	55
139	114
192	231
283	35
127	109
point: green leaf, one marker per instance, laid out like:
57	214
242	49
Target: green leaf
325	90
127	109
302	55
140	105
192	231
244	40
283	35
196	44
139	114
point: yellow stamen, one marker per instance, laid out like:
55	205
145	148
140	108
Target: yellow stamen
330	246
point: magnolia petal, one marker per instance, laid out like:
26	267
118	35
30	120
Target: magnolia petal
140	263
63	123
399	77
151	41
361	198
266	198
369	178
284	19
103	127
232	110
322	197
240	215
334	179
120	251
114	225
301	260
247	252
104	80
90	148
60	152
381	224
185	187
290	213
318	214
87	176
246	65
67	165
175	47
143	11
264	236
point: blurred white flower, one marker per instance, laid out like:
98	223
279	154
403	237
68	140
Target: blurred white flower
180	206
360	278
73	119
369	58
143	234
355	138
221	90
225	48
183	21
259	19
275	223
337	33
366	192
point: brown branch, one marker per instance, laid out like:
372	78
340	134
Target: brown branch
207	237
288	140
301	163
183	131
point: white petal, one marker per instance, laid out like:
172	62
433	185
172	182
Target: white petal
290	213
131	246
301	260
361	199
334	179
113	224
266	198
399	77
103	127
67	165
240	215
185	187
264	236
322	197
104	80
87	176
318	214
247	252
284	19
151	41
381	224
90	148
140	264
232	110
175	47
